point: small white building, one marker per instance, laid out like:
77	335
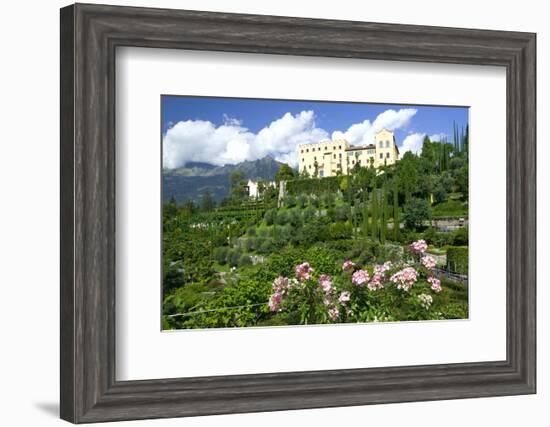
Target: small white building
254	187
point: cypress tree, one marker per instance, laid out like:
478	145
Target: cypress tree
383	213
396	221
366	214
374	216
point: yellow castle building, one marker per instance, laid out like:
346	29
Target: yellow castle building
328	158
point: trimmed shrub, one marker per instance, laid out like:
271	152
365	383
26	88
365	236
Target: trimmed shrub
457	259
244	260
234	258
281	218
269	216
460	237
220	254
339	230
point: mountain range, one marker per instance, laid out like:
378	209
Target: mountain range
187	183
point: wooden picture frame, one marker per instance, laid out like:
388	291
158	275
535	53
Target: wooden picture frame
90	35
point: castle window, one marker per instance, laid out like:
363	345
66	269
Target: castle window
381	155
339	147
381	144
309	166
387	144
302	151
387	155
303	160
335	156
307	151
326	147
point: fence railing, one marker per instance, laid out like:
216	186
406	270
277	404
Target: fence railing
461	278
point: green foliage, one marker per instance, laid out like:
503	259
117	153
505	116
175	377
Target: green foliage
450	208
460	236
415	212
285	173
339	230
207	201
269	216
457	259
282	217
436	238
396	219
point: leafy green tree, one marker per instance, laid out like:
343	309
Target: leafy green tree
415	212
366	212
383	212
238	185
374	215
286	173
396	219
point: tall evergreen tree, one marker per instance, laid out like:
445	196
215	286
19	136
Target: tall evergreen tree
374	215
366	213
383	212
396	220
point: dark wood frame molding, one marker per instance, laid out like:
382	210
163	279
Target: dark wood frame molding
90	35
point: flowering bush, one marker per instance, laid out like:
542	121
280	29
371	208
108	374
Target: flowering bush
381	292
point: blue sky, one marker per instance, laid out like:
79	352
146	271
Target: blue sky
229	130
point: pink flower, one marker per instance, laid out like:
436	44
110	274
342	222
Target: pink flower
404	279
419	247
436	284
325	282
344	297
379	276
425	300
360	278
275	301
303	271
428	261
348	266
280	284
376	282
382	268
333	313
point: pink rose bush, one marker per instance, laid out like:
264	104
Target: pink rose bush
404	279
428	262
435	284
360	293
419	247
360	278
303	271
348	266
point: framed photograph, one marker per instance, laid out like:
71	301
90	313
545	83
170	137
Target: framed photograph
268	213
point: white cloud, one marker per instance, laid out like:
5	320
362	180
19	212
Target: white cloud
231	142
363	133
412	143
438	137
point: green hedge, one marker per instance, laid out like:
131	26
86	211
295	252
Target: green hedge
312	185
457	259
